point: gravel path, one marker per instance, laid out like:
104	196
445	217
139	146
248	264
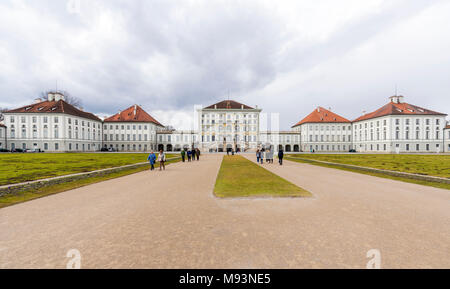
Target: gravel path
171	220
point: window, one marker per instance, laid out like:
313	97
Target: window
13	132
56	146
56	132
34	131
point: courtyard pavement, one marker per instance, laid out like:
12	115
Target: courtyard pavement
172	220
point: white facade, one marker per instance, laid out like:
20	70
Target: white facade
288	141
222	129
329	137
178	140
447	139
130	136
52	132
408	129
2	137
400	133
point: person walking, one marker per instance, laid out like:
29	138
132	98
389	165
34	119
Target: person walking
261	156
152	159
189	155
257	155
193	153
197	154
162	160
183	155
280	157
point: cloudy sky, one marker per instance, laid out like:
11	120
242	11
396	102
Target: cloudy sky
284	56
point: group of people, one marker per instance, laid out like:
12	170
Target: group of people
161	159
267	154
191	155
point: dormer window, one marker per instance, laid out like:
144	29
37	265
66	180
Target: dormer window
41	108
53	108
28	108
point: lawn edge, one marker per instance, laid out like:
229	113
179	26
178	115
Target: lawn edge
46	190
372	172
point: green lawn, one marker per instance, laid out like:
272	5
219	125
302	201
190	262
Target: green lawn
17	168
432	165
28	194
239	177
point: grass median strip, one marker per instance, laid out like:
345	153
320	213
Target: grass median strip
426	165
239	177
31	194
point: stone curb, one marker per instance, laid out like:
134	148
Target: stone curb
385	172
14	188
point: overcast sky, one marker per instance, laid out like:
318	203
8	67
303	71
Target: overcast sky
284	56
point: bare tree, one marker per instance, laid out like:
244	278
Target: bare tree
70	99
2	110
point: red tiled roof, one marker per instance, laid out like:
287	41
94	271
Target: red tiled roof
133	114
448	126
59	106
393	108
322	115
228	104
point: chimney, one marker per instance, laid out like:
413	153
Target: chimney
215	106
59	96
397	98
51	96
242	106
135	109
38	100
318	109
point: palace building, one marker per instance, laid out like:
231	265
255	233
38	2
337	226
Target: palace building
324	130
400	127
53	125
2	136
56	126
228	125
131	130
